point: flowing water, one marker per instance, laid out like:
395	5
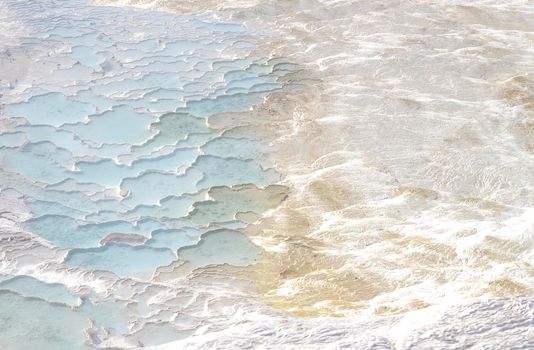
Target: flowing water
266	174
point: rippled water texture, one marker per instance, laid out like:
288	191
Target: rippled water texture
278	174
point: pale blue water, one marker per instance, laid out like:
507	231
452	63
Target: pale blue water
52	108
31	287
37	324
108	147
121	125
108	173
122	259
174	238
